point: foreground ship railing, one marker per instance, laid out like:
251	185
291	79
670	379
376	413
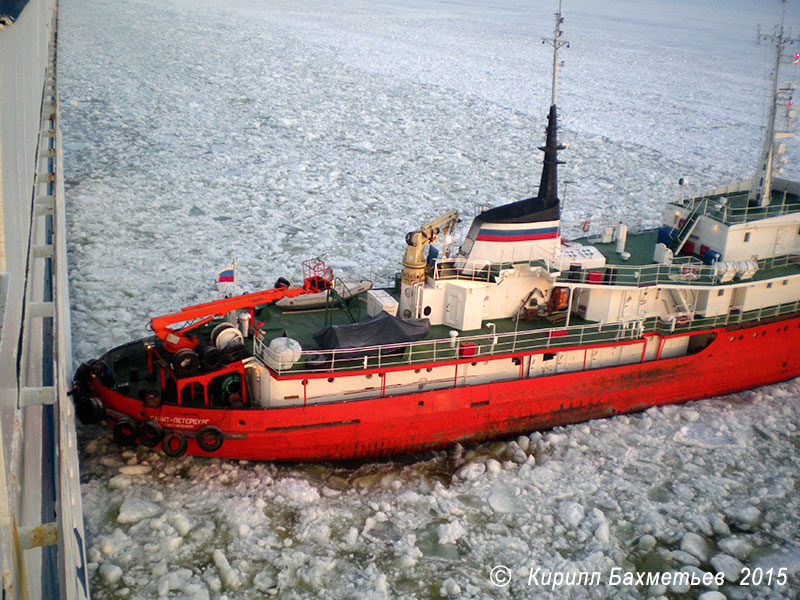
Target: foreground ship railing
483	346
41	524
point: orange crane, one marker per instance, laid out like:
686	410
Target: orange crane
316	278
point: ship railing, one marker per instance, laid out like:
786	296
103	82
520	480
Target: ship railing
486	271
683	270
717	204
486	345
477	347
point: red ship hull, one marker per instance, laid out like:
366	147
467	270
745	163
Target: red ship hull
739	358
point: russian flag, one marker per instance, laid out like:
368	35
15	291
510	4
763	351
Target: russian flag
227	275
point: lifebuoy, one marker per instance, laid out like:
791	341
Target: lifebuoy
174	443
682	319
125	432
585	226
689	271
209	438
150	434
89	409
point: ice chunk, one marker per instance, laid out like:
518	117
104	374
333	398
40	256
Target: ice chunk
571	513
449	533
229	577
450	588
493	466
135	508
744	517
695	545
685	558
180	522
515	453
264	581
501	500
728	566
110	573
135	469
602	532
647	542
712	595
735	547
471	471
119	482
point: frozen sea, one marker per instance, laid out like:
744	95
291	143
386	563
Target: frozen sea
274	131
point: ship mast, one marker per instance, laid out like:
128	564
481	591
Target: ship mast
781	97
548	186
557	43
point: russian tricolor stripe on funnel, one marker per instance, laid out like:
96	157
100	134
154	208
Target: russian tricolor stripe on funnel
493	234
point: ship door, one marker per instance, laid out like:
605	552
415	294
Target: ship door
453	309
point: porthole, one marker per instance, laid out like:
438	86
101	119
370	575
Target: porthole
421	403
741	337
732	338
429	369
330	379
242	423
426	311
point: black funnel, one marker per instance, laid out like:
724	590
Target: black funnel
545	205
548	186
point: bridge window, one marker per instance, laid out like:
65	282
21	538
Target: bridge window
747	237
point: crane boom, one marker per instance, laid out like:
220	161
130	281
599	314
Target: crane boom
178	339
414	258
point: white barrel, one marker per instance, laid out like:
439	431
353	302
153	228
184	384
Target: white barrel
244	323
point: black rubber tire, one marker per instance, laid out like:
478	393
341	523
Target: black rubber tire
209	438
80	382
174	443
150	434
89	409
125	432
282	282
185	363
211	358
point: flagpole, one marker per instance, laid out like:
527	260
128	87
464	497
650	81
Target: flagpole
234	275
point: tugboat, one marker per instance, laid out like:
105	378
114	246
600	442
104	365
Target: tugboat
514	331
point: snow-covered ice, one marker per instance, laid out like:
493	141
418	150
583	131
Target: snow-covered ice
274	131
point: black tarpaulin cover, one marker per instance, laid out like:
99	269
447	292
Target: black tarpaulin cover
11	8
383	328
